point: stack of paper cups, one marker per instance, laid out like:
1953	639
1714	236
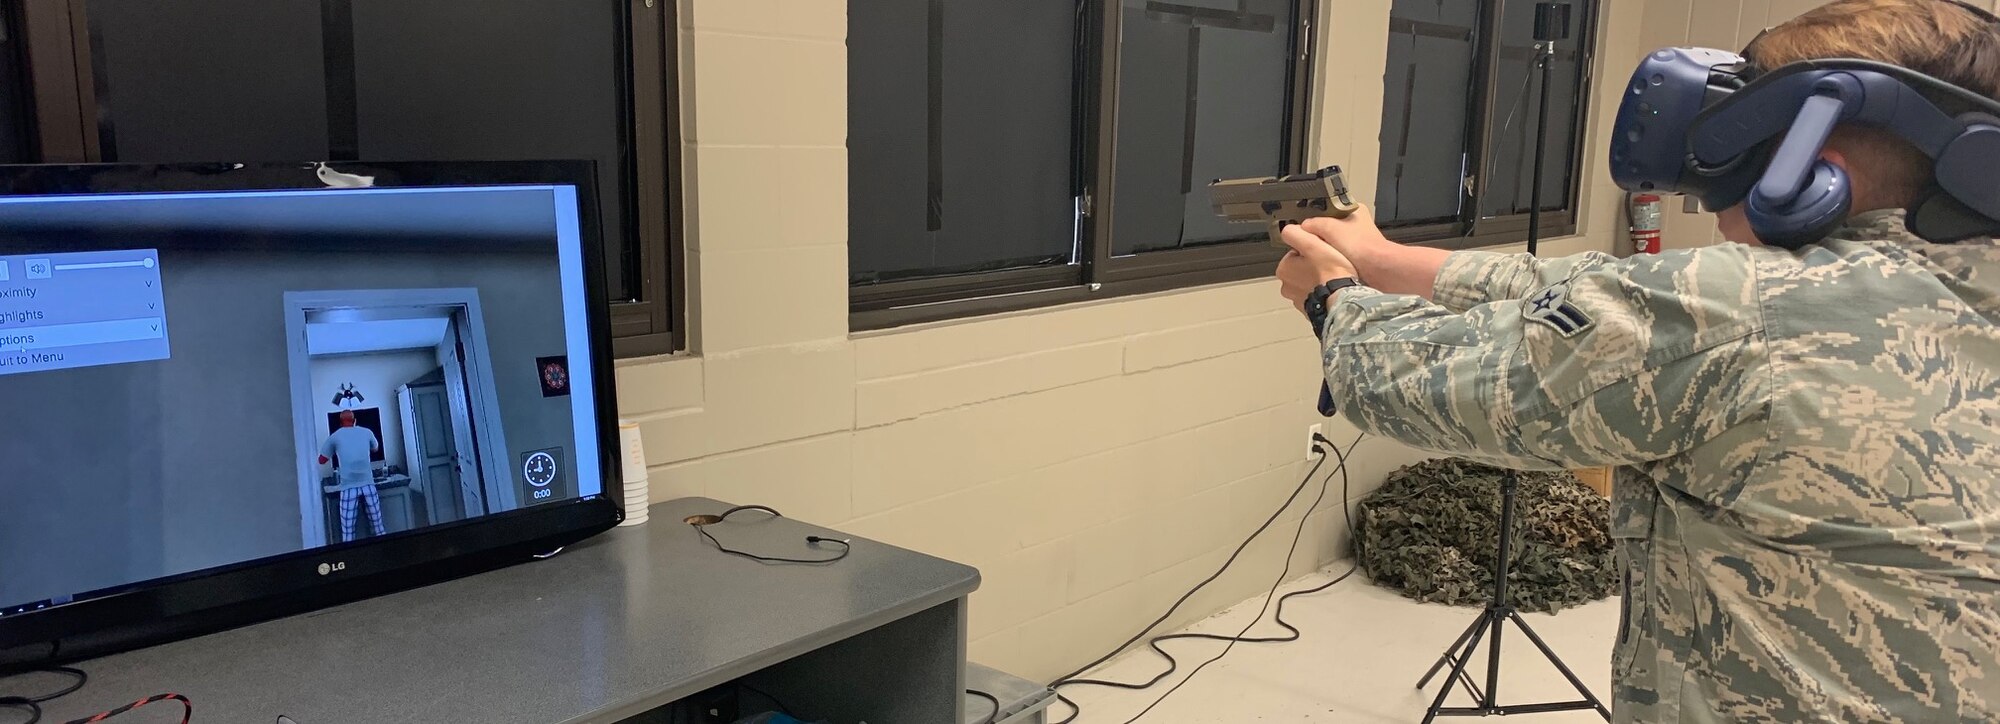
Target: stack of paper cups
634	473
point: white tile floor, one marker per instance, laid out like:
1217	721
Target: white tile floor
1363	651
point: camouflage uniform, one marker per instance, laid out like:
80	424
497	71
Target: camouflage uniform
1808	499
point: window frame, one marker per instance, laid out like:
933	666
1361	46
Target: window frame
62	71
1096	273
1470	231
654	325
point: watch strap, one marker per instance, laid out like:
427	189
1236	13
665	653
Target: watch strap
1318	299
1316	311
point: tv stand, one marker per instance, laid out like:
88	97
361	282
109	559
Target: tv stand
619	628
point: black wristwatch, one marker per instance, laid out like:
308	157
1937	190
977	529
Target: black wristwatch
1316	301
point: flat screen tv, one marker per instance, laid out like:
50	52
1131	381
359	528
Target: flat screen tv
230	392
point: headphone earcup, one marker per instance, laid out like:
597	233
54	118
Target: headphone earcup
1818	209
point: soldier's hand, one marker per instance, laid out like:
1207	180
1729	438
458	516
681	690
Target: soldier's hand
1310	263
1356	236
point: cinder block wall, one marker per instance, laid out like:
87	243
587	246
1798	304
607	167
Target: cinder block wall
1092	460
1726	24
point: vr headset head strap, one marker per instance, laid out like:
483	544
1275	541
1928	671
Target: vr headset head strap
1958	129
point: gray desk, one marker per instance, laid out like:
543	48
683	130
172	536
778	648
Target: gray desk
609	630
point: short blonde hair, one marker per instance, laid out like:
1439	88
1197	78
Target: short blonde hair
1947	40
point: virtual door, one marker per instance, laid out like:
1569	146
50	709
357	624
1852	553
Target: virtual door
403	385
439	444
458	396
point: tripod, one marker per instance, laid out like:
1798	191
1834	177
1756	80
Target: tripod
1493	621
1551	25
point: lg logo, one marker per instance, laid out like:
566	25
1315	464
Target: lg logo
336	567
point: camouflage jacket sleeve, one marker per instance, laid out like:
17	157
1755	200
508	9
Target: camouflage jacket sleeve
1472	278
1598	361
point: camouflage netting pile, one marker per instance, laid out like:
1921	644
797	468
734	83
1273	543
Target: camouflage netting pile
1431	532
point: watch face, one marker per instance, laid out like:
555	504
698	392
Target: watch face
539	469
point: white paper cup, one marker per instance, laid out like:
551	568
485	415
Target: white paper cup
634	444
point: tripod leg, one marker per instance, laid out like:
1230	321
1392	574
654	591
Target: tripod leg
1458	666
1465	679
1448	653
1560	666
1500	610
1493	664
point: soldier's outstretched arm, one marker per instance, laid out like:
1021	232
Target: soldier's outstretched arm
1456	281
1597	361
1468	279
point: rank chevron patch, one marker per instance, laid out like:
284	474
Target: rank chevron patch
1552	307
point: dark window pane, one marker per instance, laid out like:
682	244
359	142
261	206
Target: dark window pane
215	80
960	136
1204	91
1426	110
438	80
441	80
1516	108
17	129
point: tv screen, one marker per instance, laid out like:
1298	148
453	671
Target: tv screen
300	374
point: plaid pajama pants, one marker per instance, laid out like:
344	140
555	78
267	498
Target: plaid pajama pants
351	500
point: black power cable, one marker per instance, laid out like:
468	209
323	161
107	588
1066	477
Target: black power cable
701	523
993	717
1239	637
33	704
1323	446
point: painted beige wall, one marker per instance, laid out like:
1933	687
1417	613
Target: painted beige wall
1728	24
1092	460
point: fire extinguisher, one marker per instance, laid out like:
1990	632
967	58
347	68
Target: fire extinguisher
1646	217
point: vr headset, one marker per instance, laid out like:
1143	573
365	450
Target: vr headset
1707	124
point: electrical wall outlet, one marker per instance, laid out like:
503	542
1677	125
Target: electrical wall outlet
1311	433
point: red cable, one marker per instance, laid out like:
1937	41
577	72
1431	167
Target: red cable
187	709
